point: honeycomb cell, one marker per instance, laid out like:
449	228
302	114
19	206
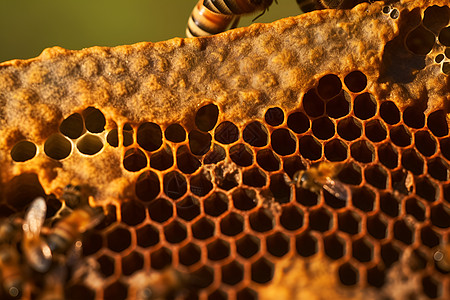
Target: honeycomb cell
291	217
312	104
232	273
147	236
175	232
362	151
254	177
394	14
118	239
246	294
335	150
415	208
149	136
440	216
57	146
349	222
429	237
189	254
305	197
132	263
350	174
162	160
298	122
376	276
414	117
188	208
363	198
375	131
90	144
262	271
277	244
417	260
446	68
355	81
107	265
389	112
283	142
412	161
134	160
432	287
332	201
186	162
445	148
388	155
175	133
23	151
92	242
403	232
334	246
206	117
329	86
226	133
127	133
268	160
203	229
94	120
109	219
244	199
377	226
255	134
216	155
226	178
376	176
348	274
79	291
444	36
447	193
261	220
132	212
389	205
116	290
362	250
247	246
218	295
349	129
241	155
292	165
160	210
175	185
216	204
201	184
274	116
112	138
306	244
437	123
435	17
320	220
425	143
199	142
420	41
279	188
310	148
72	126
232	224
161	258
400	136
147	186
389	254
365	106
339	106
205	275
323	128
218	250
439	58
53	206
427	189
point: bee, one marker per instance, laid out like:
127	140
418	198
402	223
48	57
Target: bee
322	176
310	5
11	273
214	16
54	284
442	258
74	196
162	285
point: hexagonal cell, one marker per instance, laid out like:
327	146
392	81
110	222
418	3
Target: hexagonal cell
218	295
425	143
280	189
226	178
205	276
447	192
377	226
262	271
333	201
202	229
94	120
147	186
274	116
339	106
268	160
174	184
310	148
390	254
329	86
389	112
132	263
414	117
162	160
147	236
201	184
388	155
305	197
412	161
445	68
23	151
199	142
134	160
57	146
375	131
109	219
320	220
362	151
175	133
439	58
336	150
376	276
255	134
417	260
334	246
218	250
206	117
72	126
415	208
186	162
188	208
437	123
160	210
132	212
277	244
440	216
435	17
348	274
226	133
306	244
376	176
349	128
116	290
432	287
216	204
355	81
420	40
362	250
349	222
244	199
400	136
214	156
232	224
90	144
427	189
404	232
261	220
79	291
389	205
365	106
189	254
438	169
292	165
127	133
429	237
241	155
350	174
248	245
363	198
445	148
175	232
107	265
254	177
92	242
161	258
246	294
323	128
298	122
149	136
312	104
232	273
291	217
118	239
283	142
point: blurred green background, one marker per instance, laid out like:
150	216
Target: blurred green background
29	26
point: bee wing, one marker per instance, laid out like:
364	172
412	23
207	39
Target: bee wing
35	217
336	188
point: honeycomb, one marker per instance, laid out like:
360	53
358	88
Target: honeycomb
191	146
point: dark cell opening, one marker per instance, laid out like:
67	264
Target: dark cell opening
334	246
365	106
355	81
132	263
134	160
437	123
218	295
305	197
403	232
262	271
389	112
175	232
147	236
389	254
429	237
329	86
431	287
400	136
435	17
216	204
420	40
116	290
175	133
310	148
113	137
232	273
438	169
292	165
188	208
203	229
216	155
127	134
280	189
323	128
94	120
389	205
119	239
23	151
339	106
444	36
261	220
268	160
247	246
232	224
306	244
425	143
394	14
189	254
376	276
277	244
283	141
246	294
161	258
149	136
348	274
440	57
415	208
160	210
426	189
218	250
241	155
375	131
312	104
388	156
446	68
106	265
244	199
90	144
349	222
377	226
201	184
414	117
362	151
274	116
362	250
363	198
376	176
335	150
320	220
57	147
255	134
412	161
147	186
199	142
133	213
79	291
162	160
226	133
206	117
349	129
92	242
22	190
298	122
175	185
72	126
440	216
254	177
291	217
445	148
186	162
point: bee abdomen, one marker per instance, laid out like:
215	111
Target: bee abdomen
309	5
204	22
229	7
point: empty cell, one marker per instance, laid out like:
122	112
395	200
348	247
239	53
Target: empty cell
174	184
440	57
412	161
432	287
147	186
320	220
445	148
447	192
335	150
420	40
310	148
334	246
72	126
216	204
23	151
426	189
429	237
109	219
241	155
348	274
350	174
306	244
390	254
323	128
440	216
175	232
255	134
417	260
132	212
131	263
206	117
377	226
244	199
134	160
435	17
161	258
414	117
349	222
388	155
232	224
279	188
291	217
218	250
329	86
339	106
277	244
175	133
118	239
355	81
254	177
274	116
199	142
218	295
246	294
127	134
201	184
112	138
389	205
400	136
444	36
186	162
189	254
160	210
389	112
90	144
349	129
298	122
232	273
312	104
162	160
292	165
147	236
188	208
225	178
261	220
332	201
79	291
446	68
376	276
365	106
106	264
362	250
94	120
203	229
268	160
363	198
57	146
394	14
226	133
247	246
375	131
216	155
262	271
116	290
305	197
362	151
437	123
92	242
425	143
415	208
283	141
404	232
376	176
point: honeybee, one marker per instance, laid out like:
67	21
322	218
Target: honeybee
162	285
442	258
11	273
310	5
322	176
74	196
214	16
